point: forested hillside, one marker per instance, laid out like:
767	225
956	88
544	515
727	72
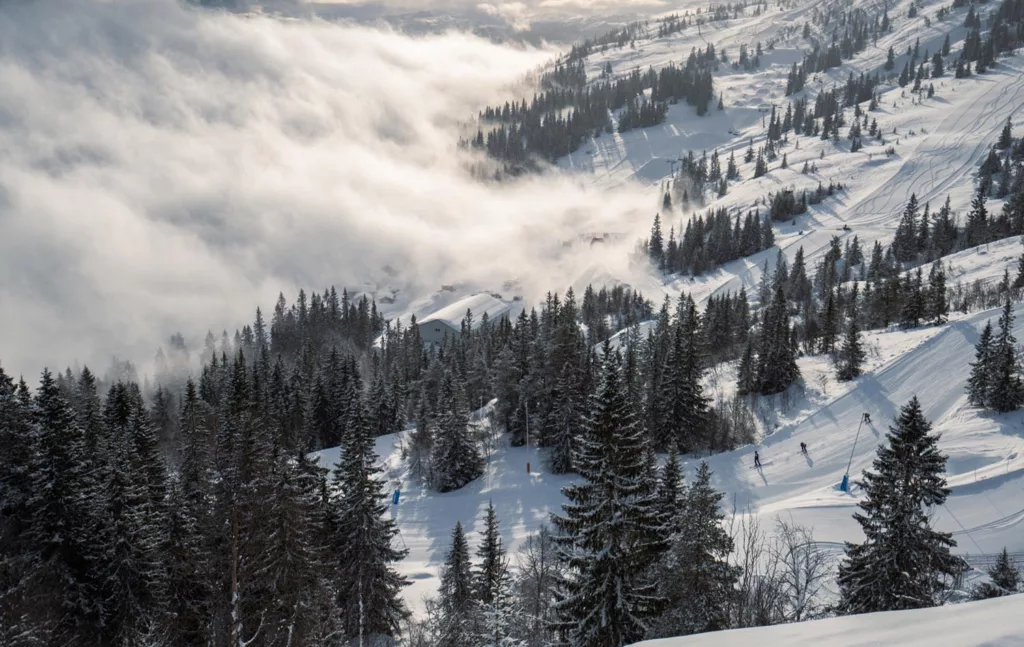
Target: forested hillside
829	292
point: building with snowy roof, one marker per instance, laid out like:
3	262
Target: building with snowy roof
448	320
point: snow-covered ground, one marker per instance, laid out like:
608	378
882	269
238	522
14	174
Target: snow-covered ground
985	511
523	502
993	623
938	143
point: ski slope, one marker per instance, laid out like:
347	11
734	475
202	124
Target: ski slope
993	623
425	519
938	144
985	511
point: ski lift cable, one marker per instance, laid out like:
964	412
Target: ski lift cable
966	531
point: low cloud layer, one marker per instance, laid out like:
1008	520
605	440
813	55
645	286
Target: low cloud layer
165	169
517	10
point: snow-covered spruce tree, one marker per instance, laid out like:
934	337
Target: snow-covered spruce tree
682	400
280	570
610	531
656	244
265	551
745	382
133	574
368	588
380	405
564	379
1005	392
30	611
981	370
851	355
564	422
421	440
1019	279
456	458
977	228
776	360
299	608
492	566
671	494
903	561
496	608
456	604
1005	579
64	511
695	576
1005	136
162	415
829	326
913	310
904	242
189	560
937	303
1004	573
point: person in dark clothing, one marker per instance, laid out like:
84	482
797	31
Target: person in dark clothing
757	461
867	417
803	448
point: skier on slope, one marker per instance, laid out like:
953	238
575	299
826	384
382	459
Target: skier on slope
867	417
757	461
803	448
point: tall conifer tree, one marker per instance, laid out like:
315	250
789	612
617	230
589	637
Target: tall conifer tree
902	562
610	528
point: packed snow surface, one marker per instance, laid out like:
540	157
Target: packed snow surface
479	304
993	623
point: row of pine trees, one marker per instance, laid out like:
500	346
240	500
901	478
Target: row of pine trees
638	553
244	542
238	540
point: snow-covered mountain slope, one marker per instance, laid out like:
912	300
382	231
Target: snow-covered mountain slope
985	470
523	501
938	145
938	142
994	623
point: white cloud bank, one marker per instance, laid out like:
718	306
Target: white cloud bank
164	169
517	10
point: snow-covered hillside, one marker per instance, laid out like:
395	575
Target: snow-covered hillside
985	470
938	143
994	623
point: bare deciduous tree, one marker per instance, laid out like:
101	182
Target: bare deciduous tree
760	600
784	573
539	571
803	569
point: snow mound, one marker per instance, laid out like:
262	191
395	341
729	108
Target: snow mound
993	623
